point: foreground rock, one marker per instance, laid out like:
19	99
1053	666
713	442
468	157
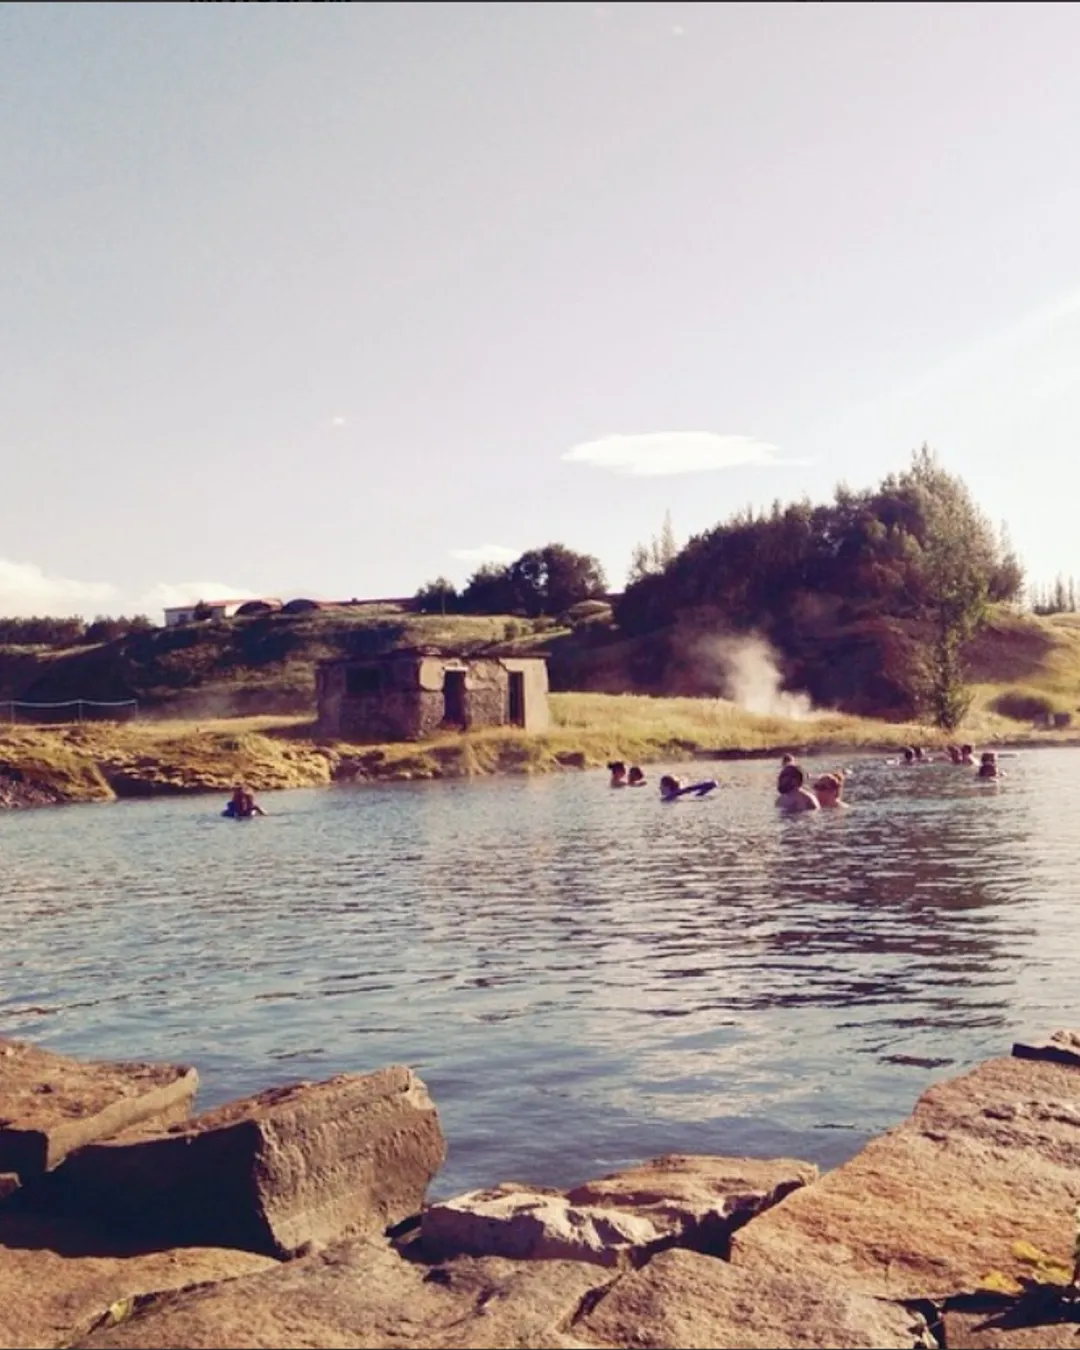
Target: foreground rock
932	1207
698	1201
1001	1328
51	1105
269	1173
685	1299
674	1200
530	1225
57	1279
365	1294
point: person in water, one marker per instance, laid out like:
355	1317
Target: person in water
670	787
636	777
243	805
909	754
792	793
829	789
988	766
954	754
967	754
617	769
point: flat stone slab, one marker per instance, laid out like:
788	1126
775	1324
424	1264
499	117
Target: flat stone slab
270	1173
686	1299
364	1294
57	1278
50	1104
529	1225
931	1208
697	1200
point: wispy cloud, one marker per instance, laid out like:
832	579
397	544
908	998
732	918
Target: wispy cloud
659	453
26	590
486	553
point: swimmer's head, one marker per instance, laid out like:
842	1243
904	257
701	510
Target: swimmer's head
787	759
636	775
617	768
909	755
791	777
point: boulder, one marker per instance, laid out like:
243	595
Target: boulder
306	1163
929	1209
522	1224
50	1105
58	1277
364	1294
687	1299
697	1201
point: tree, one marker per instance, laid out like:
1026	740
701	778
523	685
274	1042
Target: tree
955	574
549	580
648	559
437	597
489	591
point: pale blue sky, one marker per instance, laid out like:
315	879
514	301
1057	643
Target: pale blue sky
311	299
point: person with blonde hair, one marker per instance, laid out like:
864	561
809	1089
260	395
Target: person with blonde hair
829	789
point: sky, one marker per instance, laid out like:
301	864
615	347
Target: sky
331	300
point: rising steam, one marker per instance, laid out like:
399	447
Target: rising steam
747	671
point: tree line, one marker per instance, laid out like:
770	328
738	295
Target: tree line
46	631
870	599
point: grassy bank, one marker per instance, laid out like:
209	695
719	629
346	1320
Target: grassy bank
96	761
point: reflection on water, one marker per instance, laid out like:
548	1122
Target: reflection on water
583	977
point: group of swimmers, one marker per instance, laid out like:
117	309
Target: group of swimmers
792	794
958	754
670	787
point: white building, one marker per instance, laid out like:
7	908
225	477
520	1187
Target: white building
218	609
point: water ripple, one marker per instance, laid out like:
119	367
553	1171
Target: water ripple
584	977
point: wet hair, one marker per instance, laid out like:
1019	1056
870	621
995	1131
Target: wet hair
617	766
909	754
988	757
830	782
635	774
787	759
791	777
967	749
668	783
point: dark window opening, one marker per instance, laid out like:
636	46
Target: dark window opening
516	708
360	680
454	697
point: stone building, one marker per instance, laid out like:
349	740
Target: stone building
416	692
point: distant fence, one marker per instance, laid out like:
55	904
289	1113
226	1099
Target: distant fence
69	710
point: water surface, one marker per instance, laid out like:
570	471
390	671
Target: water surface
584	977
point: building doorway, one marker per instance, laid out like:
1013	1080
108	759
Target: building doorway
454	698
516	709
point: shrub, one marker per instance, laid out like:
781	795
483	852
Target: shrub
1024	705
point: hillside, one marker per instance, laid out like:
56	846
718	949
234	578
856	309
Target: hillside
266	665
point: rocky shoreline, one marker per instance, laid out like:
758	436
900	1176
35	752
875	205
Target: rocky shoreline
297	1218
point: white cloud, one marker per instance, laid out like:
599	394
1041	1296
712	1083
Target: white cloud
486	553
337	421
26	590
658	453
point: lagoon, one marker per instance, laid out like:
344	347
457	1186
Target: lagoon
583	977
